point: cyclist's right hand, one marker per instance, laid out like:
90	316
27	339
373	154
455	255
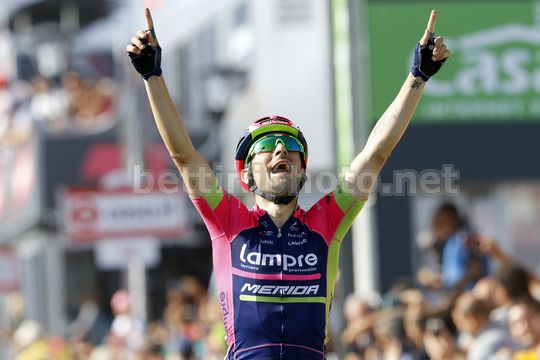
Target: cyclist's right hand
144	50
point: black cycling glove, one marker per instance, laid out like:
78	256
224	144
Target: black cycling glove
148	62
423	66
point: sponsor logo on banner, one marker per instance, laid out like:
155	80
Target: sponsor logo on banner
493	73
96	214
497	75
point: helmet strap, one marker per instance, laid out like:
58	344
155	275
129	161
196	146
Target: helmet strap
276	199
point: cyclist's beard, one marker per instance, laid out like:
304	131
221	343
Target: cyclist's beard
278	184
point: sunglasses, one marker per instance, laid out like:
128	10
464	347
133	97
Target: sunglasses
270	142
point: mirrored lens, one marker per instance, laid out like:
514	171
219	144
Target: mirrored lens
269	143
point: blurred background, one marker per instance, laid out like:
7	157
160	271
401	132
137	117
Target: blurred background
102	255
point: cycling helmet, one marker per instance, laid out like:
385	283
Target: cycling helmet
258	129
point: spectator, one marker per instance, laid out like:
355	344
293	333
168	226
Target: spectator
455	262
357	335
90	324
209	314
185	331
414	325
514	283
524	323
90	102
488	290
439	343
390	336
127	332
471	316
32	343
48	105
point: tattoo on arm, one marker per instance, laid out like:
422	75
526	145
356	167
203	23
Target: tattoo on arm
415	84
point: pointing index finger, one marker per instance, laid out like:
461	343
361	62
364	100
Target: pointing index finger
431	22
149	21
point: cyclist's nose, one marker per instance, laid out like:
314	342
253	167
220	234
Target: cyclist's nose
280	150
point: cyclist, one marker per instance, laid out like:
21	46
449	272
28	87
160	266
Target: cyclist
276	264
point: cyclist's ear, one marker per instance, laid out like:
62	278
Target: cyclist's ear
244	176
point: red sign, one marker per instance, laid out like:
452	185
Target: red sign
90	215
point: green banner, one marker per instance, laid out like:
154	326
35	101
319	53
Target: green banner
493	73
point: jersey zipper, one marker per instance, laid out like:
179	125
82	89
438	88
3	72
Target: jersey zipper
282	305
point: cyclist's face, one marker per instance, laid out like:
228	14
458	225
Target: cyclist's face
277	172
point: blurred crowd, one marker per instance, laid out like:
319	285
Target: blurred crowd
190	328
69	103
469	300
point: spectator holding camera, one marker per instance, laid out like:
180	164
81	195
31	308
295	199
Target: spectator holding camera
453	260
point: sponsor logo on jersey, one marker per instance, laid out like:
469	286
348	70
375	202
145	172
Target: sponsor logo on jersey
297	243
294	227
300	235
226	313
285	261
279	290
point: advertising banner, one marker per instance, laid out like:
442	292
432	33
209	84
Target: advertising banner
91	215
493	73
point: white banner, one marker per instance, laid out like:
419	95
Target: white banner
114	254
92	215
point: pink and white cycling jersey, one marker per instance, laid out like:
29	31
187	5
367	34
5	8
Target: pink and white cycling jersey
276	285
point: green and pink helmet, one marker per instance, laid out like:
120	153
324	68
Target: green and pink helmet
260	128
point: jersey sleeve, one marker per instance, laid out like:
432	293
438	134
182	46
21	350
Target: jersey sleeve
223	214
333	215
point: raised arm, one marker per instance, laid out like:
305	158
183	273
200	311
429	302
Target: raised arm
429	56
145	54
